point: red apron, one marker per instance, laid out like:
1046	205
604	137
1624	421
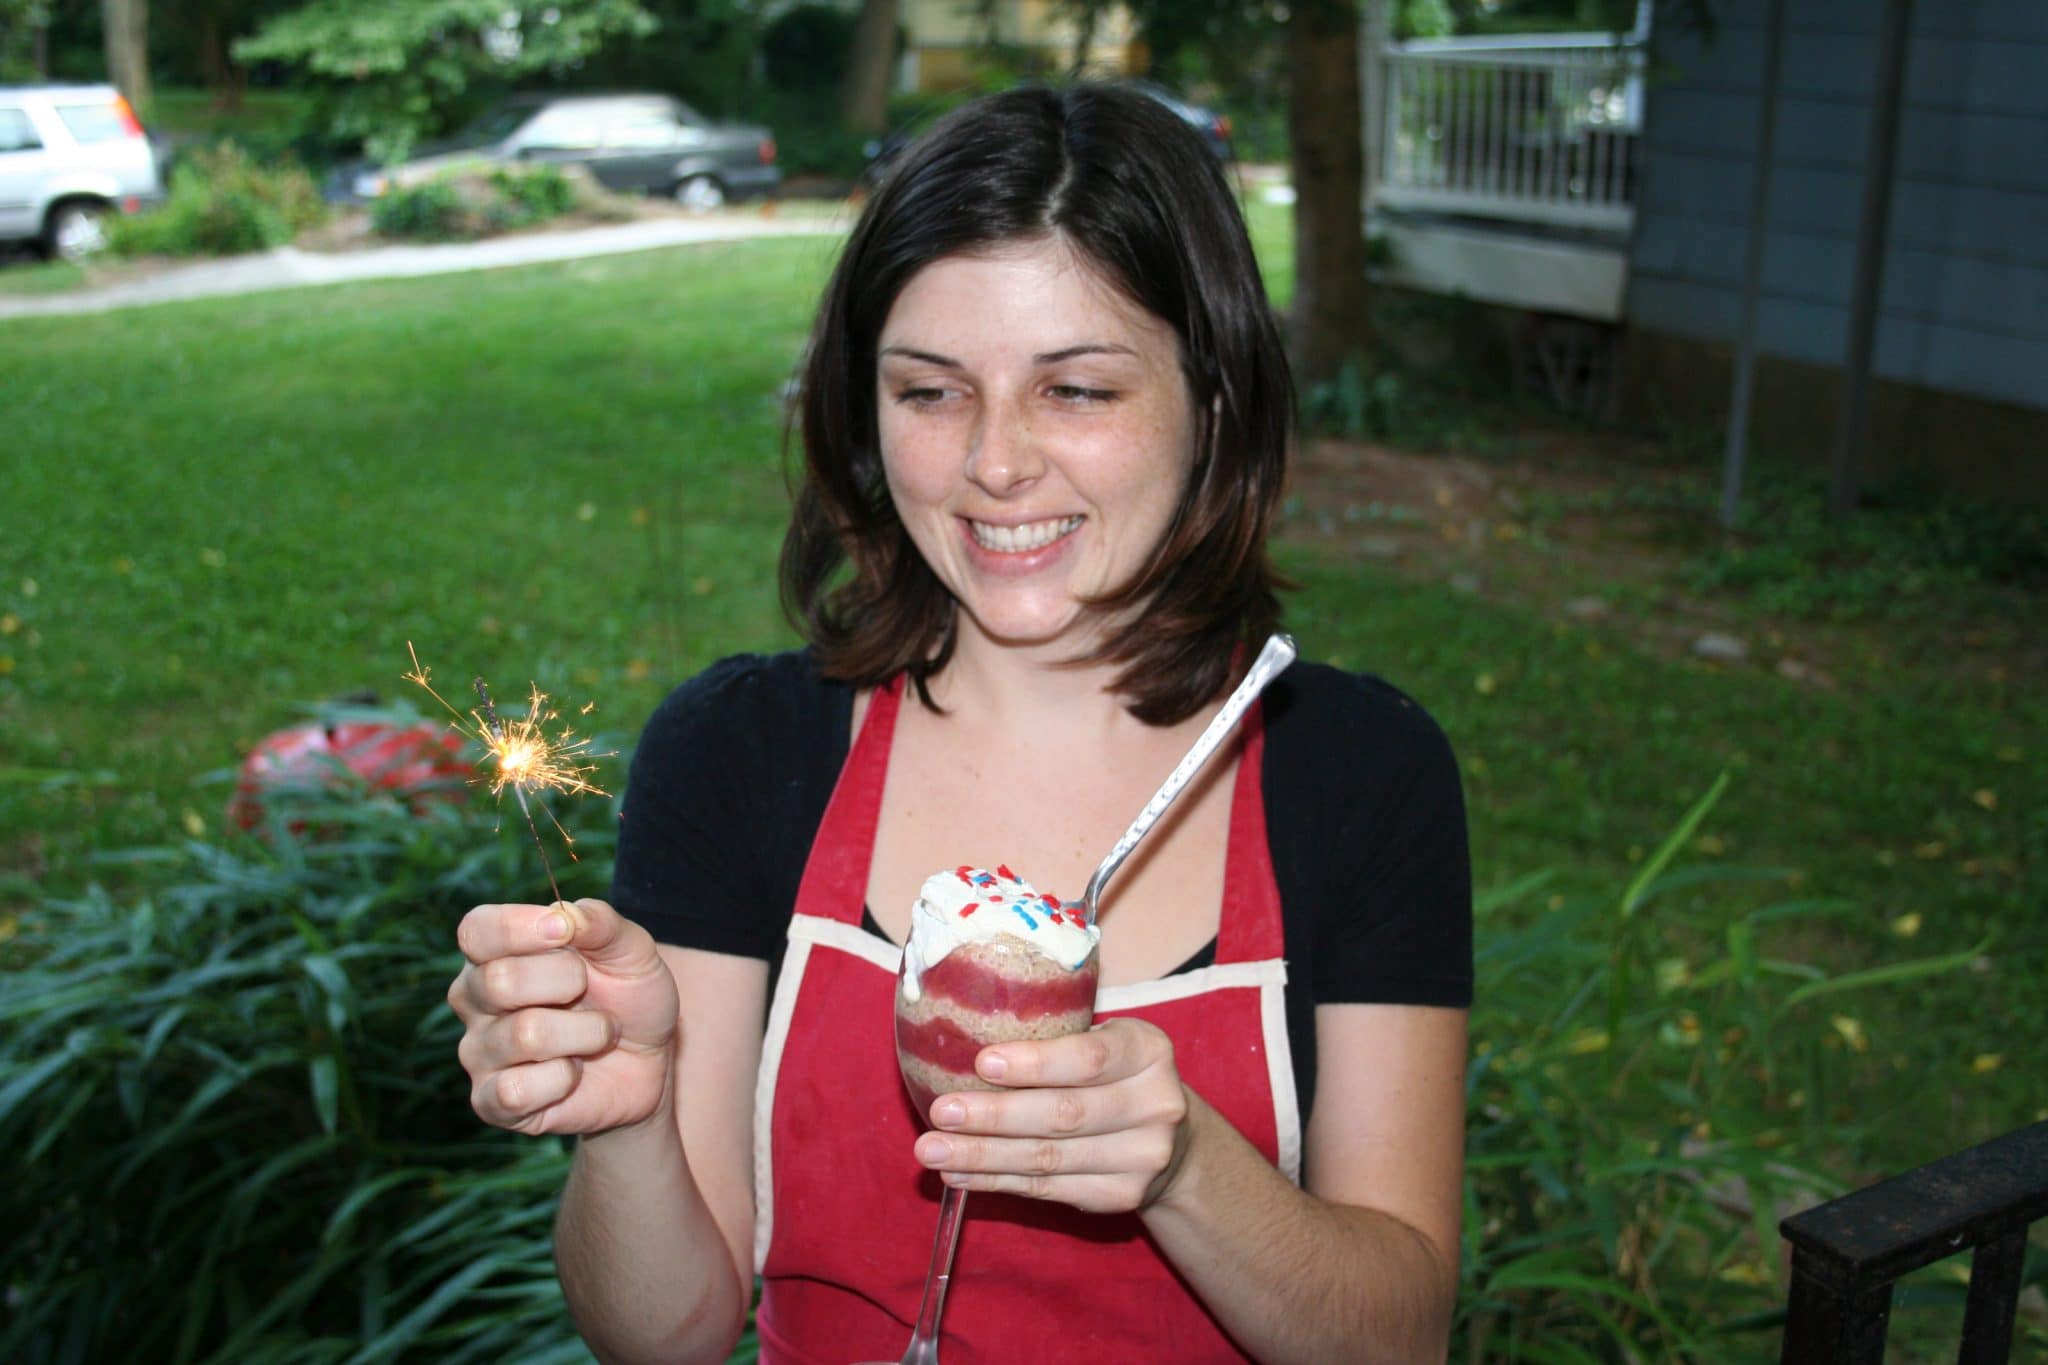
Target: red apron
844	1215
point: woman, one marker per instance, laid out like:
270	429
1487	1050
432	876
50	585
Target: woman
1045	418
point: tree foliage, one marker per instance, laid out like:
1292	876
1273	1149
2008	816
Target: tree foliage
394	69
19	20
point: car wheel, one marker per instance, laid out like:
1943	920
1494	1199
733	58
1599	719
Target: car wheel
77	229
700	193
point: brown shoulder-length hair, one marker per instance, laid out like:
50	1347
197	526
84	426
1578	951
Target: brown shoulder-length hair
1133	189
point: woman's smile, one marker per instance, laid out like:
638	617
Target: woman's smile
1003	539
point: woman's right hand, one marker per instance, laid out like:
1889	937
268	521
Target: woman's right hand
569	1017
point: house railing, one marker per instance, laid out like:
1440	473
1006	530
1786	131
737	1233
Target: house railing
1539	128
1847	1253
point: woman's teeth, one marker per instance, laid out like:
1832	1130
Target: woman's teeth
1034	535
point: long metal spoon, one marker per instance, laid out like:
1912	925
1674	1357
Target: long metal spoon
1273	659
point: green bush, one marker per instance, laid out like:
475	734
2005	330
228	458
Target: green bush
808	47
432	211
461	205
535	195
810	138
1387	401
223	202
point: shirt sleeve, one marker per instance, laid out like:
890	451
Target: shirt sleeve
1393	922
692	843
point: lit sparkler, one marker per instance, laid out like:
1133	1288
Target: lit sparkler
526	757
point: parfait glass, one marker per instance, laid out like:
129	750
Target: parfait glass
996	990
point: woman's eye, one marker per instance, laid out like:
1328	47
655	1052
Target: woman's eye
1076	393
917	397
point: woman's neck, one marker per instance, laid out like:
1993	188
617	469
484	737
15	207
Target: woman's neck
1031	689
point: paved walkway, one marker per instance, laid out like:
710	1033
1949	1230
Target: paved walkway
287	267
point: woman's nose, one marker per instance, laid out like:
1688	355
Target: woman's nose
1004	457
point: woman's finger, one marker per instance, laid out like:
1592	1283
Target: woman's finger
495	931
1088	1193
539	1035
505	984
1109	1154
1063	1111
518	1096
1109	1052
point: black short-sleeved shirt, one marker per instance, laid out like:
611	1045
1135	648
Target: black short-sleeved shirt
1365	824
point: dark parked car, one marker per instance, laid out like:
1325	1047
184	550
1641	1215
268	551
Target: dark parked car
633	143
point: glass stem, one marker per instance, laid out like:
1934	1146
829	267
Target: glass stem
924	1342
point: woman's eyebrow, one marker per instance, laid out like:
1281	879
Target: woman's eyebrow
1042	358
1085	348
912	353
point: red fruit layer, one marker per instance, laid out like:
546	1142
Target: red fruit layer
958	978
940	1042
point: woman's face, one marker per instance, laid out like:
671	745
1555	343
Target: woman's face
1036	431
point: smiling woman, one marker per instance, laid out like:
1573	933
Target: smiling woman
1045	420
1131	230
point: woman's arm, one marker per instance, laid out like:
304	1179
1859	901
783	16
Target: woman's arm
654	1241
1361	1264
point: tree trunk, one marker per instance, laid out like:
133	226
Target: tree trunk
127	32
226	78
1086	21
865	103
1330	321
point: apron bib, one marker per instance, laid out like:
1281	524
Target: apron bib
844	1215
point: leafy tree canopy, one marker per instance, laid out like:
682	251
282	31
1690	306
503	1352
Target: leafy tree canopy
394	69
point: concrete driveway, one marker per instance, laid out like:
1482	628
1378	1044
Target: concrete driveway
287	267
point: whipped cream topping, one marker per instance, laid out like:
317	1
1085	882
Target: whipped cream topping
970	905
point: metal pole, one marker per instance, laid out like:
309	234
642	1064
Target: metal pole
1852	430
1752	275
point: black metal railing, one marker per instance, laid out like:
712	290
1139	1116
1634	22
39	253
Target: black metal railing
1846	1253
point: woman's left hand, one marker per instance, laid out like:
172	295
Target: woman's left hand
1097	1120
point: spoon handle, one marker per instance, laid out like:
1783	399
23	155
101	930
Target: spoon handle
1278	653
924	1341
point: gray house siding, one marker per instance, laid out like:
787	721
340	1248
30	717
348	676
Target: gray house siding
1964	308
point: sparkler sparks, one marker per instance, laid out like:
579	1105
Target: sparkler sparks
524	755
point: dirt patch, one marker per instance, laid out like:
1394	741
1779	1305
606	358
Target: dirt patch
1596	530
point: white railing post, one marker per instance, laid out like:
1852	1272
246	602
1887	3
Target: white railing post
1379	79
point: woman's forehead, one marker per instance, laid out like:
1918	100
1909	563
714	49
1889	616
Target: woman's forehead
1024	291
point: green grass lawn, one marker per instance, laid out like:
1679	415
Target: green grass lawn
26	275
223	511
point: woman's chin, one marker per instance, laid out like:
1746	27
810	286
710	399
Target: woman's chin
1033	630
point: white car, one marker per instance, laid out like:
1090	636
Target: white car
70	155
